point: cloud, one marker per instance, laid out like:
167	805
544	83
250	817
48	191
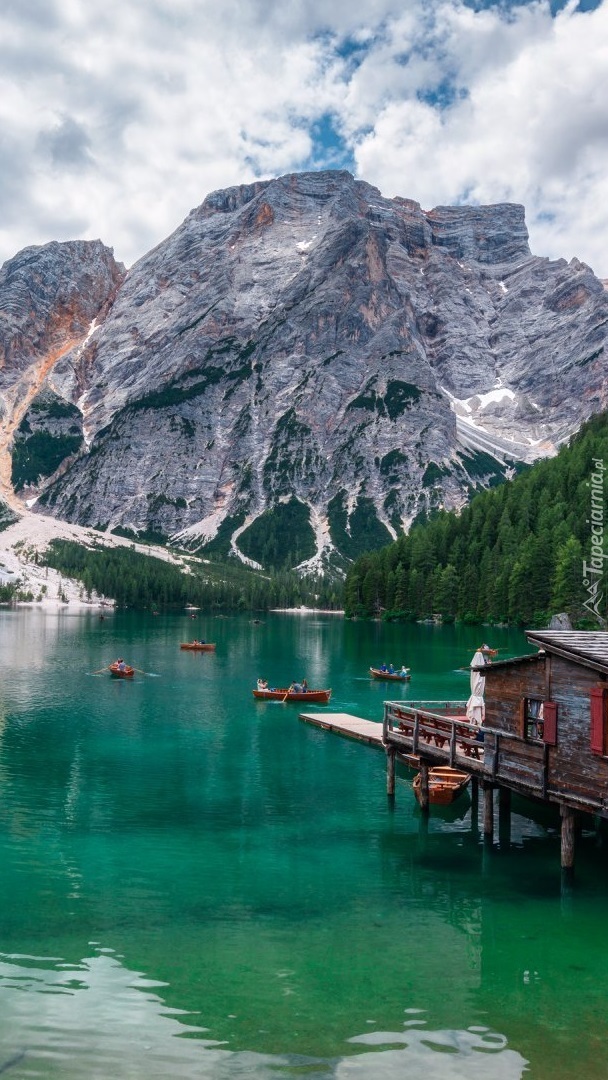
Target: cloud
119	117
527	124
67	144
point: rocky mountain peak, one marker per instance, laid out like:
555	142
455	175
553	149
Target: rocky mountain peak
50	298
303	367
490	236
49	295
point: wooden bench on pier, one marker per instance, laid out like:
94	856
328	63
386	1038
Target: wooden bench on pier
434	724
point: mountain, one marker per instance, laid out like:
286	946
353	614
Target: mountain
296	374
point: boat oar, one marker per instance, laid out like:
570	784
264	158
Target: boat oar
106	668
152	674
283	700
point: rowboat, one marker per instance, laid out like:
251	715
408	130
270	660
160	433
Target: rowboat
121	673
198	646
392	676
312	697
445	785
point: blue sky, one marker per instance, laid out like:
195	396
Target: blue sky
119	116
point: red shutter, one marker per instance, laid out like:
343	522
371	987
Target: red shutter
550	722
598	697
522	719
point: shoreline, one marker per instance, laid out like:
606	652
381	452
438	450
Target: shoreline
305	611
52	606
105	607
22	542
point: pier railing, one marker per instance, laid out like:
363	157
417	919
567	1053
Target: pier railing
438	728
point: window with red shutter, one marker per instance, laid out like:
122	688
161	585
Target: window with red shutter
550	723
598	726
534	722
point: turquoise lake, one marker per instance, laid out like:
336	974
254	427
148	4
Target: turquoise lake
198	885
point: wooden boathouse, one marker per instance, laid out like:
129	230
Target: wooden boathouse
545	731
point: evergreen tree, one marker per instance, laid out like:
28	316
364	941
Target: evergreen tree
515	552
568	588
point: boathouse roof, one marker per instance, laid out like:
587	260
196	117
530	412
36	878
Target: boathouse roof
488	668
586	647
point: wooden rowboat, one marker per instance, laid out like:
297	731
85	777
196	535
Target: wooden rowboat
198	646
312	697
393	676
121	673
445	785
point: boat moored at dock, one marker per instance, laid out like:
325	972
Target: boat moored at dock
445	785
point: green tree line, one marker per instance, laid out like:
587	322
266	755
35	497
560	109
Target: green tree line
513	555
140	581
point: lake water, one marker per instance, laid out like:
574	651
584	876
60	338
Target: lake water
197	885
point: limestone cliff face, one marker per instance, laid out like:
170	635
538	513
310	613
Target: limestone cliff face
50	298
307	350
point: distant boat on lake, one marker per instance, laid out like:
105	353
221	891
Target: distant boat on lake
198	646
394	676
118	672
313	697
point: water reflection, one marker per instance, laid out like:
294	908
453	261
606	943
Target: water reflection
98	1019
474	1054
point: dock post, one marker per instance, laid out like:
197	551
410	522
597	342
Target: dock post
424	787
488	811
568	834
390	770
475	806
504	815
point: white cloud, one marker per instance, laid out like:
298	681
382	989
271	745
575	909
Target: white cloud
116	118
530	127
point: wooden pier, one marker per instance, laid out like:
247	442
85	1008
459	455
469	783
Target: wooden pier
352	727
544	734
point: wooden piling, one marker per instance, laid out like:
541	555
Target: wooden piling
475	806
488	811
390	770
424	787
567	837
504	816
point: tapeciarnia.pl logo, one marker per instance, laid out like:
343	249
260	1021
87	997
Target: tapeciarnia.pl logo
593	571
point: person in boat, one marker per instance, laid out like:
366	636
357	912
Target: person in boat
304	686
391	669
120	664
383	667
404	670
295	688
262	684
